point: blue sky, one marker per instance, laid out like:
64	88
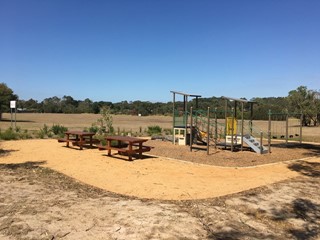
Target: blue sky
141	49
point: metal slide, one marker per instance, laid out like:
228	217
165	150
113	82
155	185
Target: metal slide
254	144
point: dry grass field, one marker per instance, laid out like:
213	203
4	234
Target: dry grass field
35	121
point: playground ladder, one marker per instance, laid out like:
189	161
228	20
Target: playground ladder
254	144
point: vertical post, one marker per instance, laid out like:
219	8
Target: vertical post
269	132
261	142
15	118
174	124
251	117
232	127
208	131
225	120
186	119
287	127
215	128
301	120
242	123
191	128
11	118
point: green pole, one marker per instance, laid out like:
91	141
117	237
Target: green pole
269	131
174	100
232	127
208	131
287	127
301	120
215	128
242	122
191	128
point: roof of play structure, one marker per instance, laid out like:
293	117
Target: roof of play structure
186	94
237	99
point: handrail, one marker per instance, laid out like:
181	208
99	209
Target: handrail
255	130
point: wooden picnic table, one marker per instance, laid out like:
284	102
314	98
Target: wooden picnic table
126	145
78	138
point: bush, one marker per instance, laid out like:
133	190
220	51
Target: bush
25	135
58	129
9	134
154	130
103	126
168	131
93	129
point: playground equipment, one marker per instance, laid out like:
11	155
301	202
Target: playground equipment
180	117
285	126
206	128
232	133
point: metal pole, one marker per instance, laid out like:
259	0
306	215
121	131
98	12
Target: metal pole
191	129
225	120
261	143
301	119
242	123
269	132
251	118
174	100
287	127
186	123
208	131
215	129
11	118
15	118
232	127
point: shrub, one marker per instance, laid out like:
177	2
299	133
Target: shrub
41	134
168	131
103	125
154	130
58	129
9	134
93	129
25	134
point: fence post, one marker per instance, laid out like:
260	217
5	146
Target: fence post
208	131
269	132
232	127
261	143
287	127
191	128
215	128
301	120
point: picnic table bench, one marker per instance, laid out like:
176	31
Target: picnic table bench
126	146
78	138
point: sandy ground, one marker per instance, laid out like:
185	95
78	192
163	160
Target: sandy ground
40	201
153	177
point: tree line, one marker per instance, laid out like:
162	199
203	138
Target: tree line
301	100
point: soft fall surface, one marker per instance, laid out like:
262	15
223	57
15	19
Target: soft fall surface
153	177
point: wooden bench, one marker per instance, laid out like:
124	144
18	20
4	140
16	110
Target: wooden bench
128	146
76	142
125	149
78	138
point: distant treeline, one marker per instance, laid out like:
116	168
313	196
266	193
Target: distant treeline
67	104
301	100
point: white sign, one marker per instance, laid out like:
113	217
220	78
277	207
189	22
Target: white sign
12	104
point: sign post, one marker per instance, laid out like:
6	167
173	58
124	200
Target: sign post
13	108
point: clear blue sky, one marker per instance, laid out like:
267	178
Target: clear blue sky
114	50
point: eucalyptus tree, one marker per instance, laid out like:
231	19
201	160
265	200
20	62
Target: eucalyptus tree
306	102
6	95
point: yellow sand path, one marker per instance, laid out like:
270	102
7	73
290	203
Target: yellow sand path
157	178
